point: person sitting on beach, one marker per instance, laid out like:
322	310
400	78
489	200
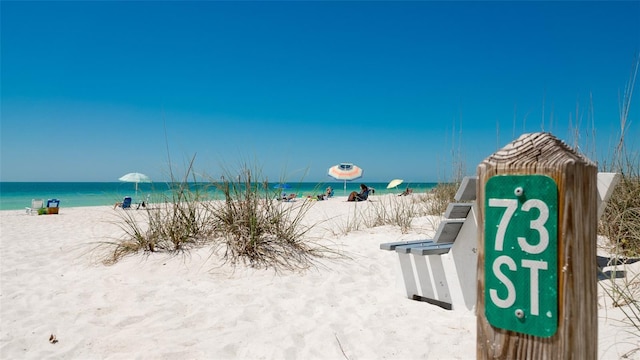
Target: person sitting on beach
289	197
407	191
327	194
362	195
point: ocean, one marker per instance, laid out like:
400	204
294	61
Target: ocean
18	195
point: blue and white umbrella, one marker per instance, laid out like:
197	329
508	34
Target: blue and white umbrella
281	186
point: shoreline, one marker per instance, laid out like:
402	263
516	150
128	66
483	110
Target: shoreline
337	198
17	196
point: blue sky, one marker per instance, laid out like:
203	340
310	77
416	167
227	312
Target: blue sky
93	90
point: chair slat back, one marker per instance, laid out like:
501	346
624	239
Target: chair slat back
457	210
448	230
467	189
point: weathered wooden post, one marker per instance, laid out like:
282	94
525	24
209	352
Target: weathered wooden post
537	276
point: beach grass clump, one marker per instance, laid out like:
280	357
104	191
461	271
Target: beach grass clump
391	210
620	224
251	225
621	218
620	221
436	201
180	222
255	228
133	241
174	224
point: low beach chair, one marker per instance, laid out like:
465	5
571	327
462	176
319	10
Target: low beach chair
36	204
289	197
441	271
125	204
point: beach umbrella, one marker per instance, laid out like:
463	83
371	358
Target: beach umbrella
135	178
281	186
394	183
345	172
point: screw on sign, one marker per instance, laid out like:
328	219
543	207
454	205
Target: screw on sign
521	247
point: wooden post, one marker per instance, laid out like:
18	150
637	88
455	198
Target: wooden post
568	331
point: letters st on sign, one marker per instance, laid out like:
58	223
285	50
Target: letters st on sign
521	254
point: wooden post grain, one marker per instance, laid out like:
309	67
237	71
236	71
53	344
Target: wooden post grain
576	179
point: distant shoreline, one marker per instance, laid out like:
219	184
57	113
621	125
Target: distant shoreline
18	195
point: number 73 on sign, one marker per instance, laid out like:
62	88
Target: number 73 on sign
521	253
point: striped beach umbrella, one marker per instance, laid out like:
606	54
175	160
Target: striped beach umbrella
345	172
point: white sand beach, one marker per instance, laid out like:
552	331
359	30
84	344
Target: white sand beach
191	306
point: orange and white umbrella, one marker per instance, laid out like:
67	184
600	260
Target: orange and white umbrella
346	172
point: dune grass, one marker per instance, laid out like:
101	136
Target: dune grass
250	226
255	228
173	224
621	219
620	222
392	210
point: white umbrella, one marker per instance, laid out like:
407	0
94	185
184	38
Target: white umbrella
346	172
135	178
394	183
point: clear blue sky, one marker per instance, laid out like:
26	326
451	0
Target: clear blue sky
93	90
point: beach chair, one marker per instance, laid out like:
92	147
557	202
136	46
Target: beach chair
125	204
606	184
354	196
36	204
445	274
439	270
53	206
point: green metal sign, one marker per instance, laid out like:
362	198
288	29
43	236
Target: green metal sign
521	254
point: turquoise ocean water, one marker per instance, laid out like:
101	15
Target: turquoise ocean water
18	195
